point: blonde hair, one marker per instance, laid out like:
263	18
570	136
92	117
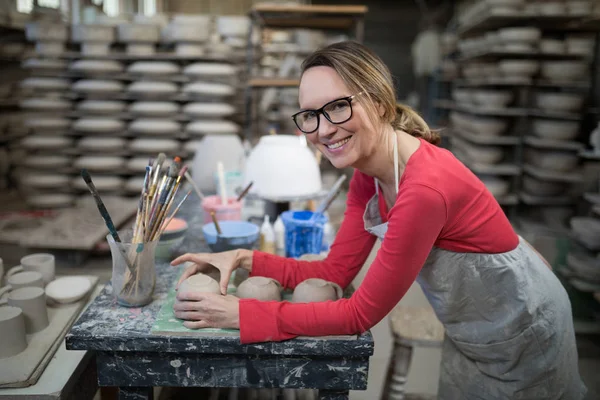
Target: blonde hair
364	72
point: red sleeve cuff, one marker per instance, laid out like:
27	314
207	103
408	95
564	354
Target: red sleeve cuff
258	321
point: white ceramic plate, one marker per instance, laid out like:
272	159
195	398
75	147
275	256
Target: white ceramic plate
43	180
102	143
210	69
138	164
36	161
46	142
155	126
209	109
100	163
44	64
154	108
208	89
45	104
154	145
96	66
45	84
68	289
101	106
98	125
153	68
49	200
102	183
219	127
47	123
152	88
97	86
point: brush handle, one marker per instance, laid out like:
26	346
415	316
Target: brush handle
214	218
244	192
194	186
100	204
331	195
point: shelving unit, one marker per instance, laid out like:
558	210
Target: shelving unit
315	21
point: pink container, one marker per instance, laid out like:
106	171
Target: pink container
232	211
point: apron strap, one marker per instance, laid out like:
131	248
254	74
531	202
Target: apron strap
396	178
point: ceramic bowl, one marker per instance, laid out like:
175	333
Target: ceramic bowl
92	86
564	70
552	46
552	8
45	30
68	289
92	33
553	160
95	144
154	108
140	49
100	163
464	96
555	129
138	33
45	84
47	124
559	101
209	69
584	266
95	48
99	125
316	290
96	66
580	8
200	283
155	126
190	49
587	230
44	64
45	180
153	68
484	154
208	89
209	110
50	49
149	146
46	142
197	31
212	127
260	288
493	98
488	126
45	104
556	215
233	25
513	68
235	235
101	106
42	161
151	88
580	45
539	187
497	186
296	174
520	35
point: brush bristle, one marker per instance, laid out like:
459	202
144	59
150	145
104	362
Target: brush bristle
86	176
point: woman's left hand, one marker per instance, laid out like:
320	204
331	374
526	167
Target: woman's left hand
207	310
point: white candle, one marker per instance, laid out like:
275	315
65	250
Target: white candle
221	176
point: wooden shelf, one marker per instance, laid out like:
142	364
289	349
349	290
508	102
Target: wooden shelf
491	20
273	82
308	16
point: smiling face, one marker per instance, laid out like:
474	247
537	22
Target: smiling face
344	144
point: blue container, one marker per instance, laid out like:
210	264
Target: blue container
303	235
235	235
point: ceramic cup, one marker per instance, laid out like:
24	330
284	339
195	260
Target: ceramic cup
12	326
260	288
200	283
315	290
32	300
40	262
22	279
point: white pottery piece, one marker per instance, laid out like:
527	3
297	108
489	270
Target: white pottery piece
518	47
154	145
45	30
209	151
587	229
92	33
208	89
50	49
209	69
137	164
316	290
37	161
45	180
135	184
520	35
153	108
209	110
233	25
100	125
584	266
539	187
199	283
68	289
92	86
552	8
102	143
12	326
260	288
138	33
297	172
559	101
45	84
524	68
497	186
189	31
100	163
45	104
564	70
96	66
44	64
579	8
212	127
580	45
101	106
555	129
487	126
483	154
189	50
102	183
142	88
46	142
493	98
48	123
140	49
552	46
155	126
153	68
95	48
50	200
553	160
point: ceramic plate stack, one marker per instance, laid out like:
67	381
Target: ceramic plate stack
583	260
188	33
94	40
139	38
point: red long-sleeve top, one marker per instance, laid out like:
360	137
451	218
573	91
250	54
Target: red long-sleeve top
440	203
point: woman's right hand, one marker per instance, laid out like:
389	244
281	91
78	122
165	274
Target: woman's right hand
226	262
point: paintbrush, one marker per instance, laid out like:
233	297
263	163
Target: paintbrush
194	186
214	219
324	205
165	199
175	212
244	192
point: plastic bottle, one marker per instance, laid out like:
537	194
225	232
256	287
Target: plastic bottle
267	237
279	234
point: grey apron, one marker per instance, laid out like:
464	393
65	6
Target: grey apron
509	330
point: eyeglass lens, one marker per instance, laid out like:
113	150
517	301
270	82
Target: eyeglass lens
336	112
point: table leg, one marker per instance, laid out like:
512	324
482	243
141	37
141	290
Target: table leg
135	393
333	394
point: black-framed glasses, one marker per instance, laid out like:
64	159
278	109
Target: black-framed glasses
336	111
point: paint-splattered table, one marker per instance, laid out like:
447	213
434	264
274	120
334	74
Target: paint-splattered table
130	356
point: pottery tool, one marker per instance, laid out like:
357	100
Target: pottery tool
221	178
214	219
175	212
331	195
194	186
244	192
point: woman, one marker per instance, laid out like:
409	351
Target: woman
509	331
